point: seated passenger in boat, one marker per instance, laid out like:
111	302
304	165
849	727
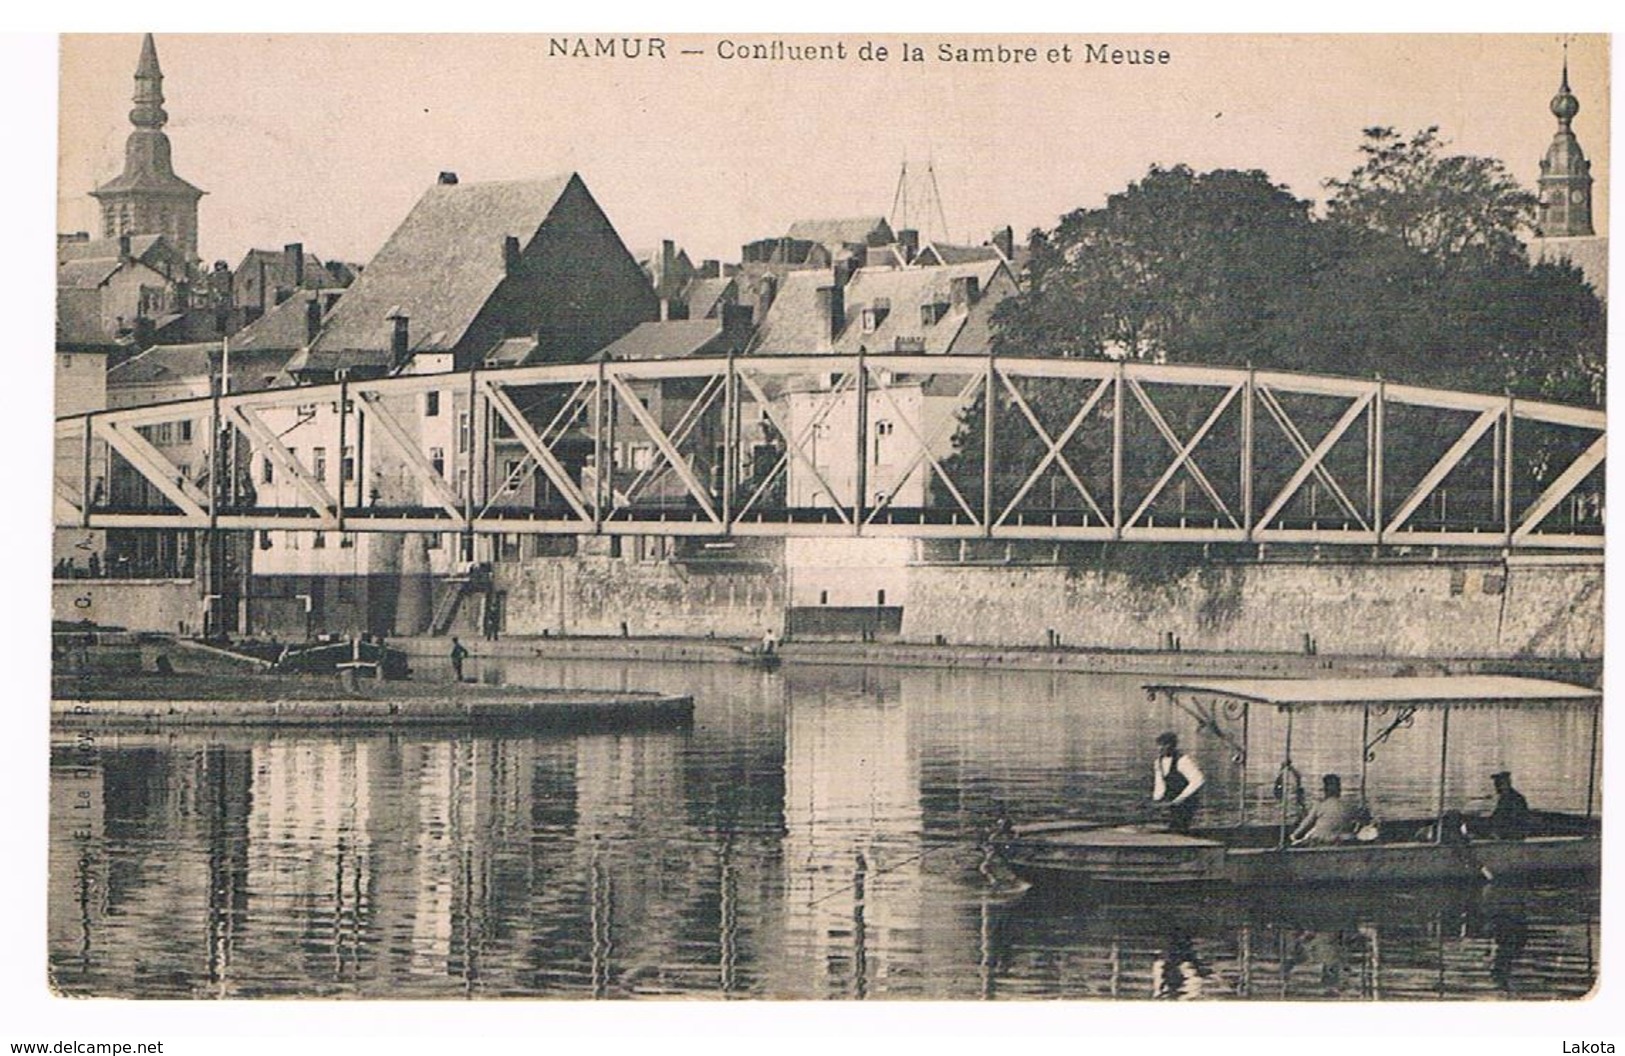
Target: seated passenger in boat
1332	819
1510	818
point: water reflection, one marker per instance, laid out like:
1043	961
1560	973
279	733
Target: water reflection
814	834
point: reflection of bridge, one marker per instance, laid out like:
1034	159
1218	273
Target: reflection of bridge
793	446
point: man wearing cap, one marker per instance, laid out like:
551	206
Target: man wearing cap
1176	782
1510	818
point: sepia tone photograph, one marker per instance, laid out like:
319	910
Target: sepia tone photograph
1115	518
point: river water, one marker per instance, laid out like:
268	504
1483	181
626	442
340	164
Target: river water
814	834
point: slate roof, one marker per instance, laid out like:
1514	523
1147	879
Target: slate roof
250	372
441	265
948	253
106	248
512	352
279	269
705	296
857	230
79	318
86	274
674	339
281	327
793	325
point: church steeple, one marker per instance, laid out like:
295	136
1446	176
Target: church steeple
1565	174
147	198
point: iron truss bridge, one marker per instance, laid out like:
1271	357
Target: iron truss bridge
866	445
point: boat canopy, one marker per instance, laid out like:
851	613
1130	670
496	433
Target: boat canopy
1439	691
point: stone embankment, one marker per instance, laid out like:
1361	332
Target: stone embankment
97	700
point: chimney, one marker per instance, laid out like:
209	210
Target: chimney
1004	240
831	313
710	269
909	240
399	343
124	247
313	318
447	179
510	253
294	254
963	291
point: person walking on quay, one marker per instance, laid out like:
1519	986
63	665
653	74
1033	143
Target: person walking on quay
458	654
1176	782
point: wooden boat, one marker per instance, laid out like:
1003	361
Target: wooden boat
324	657
1422	849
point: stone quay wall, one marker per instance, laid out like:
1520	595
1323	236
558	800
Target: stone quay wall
1531	608
590	595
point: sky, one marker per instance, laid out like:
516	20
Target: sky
329	139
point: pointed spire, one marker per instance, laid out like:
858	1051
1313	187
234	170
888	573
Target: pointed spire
149	89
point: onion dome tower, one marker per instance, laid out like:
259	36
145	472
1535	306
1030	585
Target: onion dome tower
1565	174
147	198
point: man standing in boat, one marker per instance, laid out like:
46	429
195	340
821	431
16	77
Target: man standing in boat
1176	782
1510	818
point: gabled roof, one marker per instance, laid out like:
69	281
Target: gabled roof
283	326
85	274
441	265
793	324
278	265
250	371
705	296
108	248
948	253
857	230
673	339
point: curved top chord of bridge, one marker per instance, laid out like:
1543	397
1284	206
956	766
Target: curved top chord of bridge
882	445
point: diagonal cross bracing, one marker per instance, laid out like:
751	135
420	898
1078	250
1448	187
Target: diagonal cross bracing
153	467
1312	459
539	451
1441	469
372	406
1299	442
1183	453
316	496
1566	482
924	451
1053	454
793	445
686	424
661	441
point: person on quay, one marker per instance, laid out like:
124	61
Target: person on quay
770	642
459	653
1510	818
1176	782
1332	819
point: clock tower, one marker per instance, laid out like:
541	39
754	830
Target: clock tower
1565	174
147	198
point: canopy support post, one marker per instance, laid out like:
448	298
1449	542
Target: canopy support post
1444	752
1591	769
1285	792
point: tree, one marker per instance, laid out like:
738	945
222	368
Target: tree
1179	266
1441	205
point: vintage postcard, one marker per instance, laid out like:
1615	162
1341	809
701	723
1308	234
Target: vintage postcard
854	516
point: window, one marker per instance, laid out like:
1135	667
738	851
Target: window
319	542
319	463
185	430
880	597
431	405
437	460
347	464
267	472
265	540
67	362
883	429
823	597
871	320
346	540
462	480
432	541
462	431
